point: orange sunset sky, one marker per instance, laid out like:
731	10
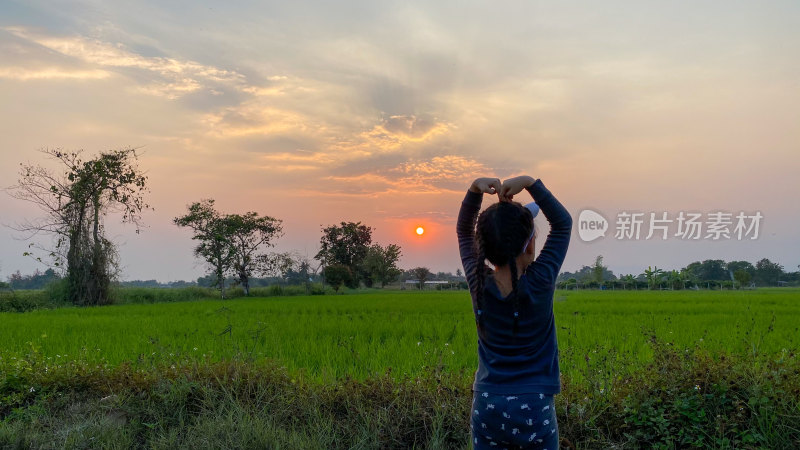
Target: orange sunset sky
383	112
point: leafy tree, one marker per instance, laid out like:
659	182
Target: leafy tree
714	269
571	283
687	276
709	270
653	276
279	265
421	274
380	264
210	281
214	245
298	271
346	244
768	272
336	275
589	274
674	279
301	272
248	234
734	266
628	280
233	242
597	269
742	277
75	203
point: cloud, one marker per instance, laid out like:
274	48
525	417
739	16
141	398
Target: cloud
446	173
394	134
159	75
448	167
297	161
437	175
51	73
250	119
412	127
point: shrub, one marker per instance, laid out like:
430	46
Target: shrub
336	275
53	296
140	295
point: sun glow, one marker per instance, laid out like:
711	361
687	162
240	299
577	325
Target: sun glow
420	231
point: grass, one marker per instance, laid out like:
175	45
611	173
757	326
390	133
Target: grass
662	369
357	335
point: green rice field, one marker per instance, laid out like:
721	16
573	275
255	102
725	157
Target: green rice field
330	337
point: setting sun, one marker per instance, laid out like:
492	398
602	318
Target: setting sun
420	230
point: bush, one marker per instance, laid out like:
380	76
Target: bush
53	296
336	275
275	290
317	289
684	398
140	295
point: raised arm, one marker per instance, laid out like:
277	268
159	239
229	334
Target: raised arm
465	227
548	263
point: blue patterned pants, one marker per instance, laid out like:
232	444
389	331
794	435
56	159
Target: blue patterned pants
521	421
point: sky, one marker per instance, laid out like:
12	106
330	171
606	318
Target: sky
384	112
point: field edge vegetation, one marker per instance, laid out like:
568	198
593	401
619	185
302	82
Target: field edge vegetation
684	398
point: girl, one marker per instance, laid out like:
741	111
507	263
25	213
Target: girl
517	374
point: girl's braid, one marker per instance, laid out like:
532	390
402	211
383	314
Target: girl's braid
480	272
499	244
513	266
511	247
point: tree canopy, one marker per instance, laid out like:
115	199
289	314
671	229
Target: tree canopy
249	234
75	203
380	264
232	242
346	244
214	244
421	274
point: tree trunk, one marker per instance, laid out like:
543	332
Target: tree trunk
218	270
75	267
99	280
245	282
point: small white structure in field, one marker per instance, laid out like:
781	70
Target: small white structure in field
431	283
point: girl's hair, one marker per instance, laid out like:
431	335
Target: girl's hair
500	235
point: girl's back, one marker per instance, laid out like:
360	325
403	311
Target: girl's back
517	346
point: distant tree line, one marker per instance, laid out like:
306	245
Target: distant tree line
157	284
708	274
76	200
36	280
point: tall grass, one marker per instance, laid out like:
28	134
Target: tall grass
683	398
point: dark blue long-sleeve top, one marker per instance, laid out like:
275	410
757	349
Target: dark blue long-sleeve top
528	361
